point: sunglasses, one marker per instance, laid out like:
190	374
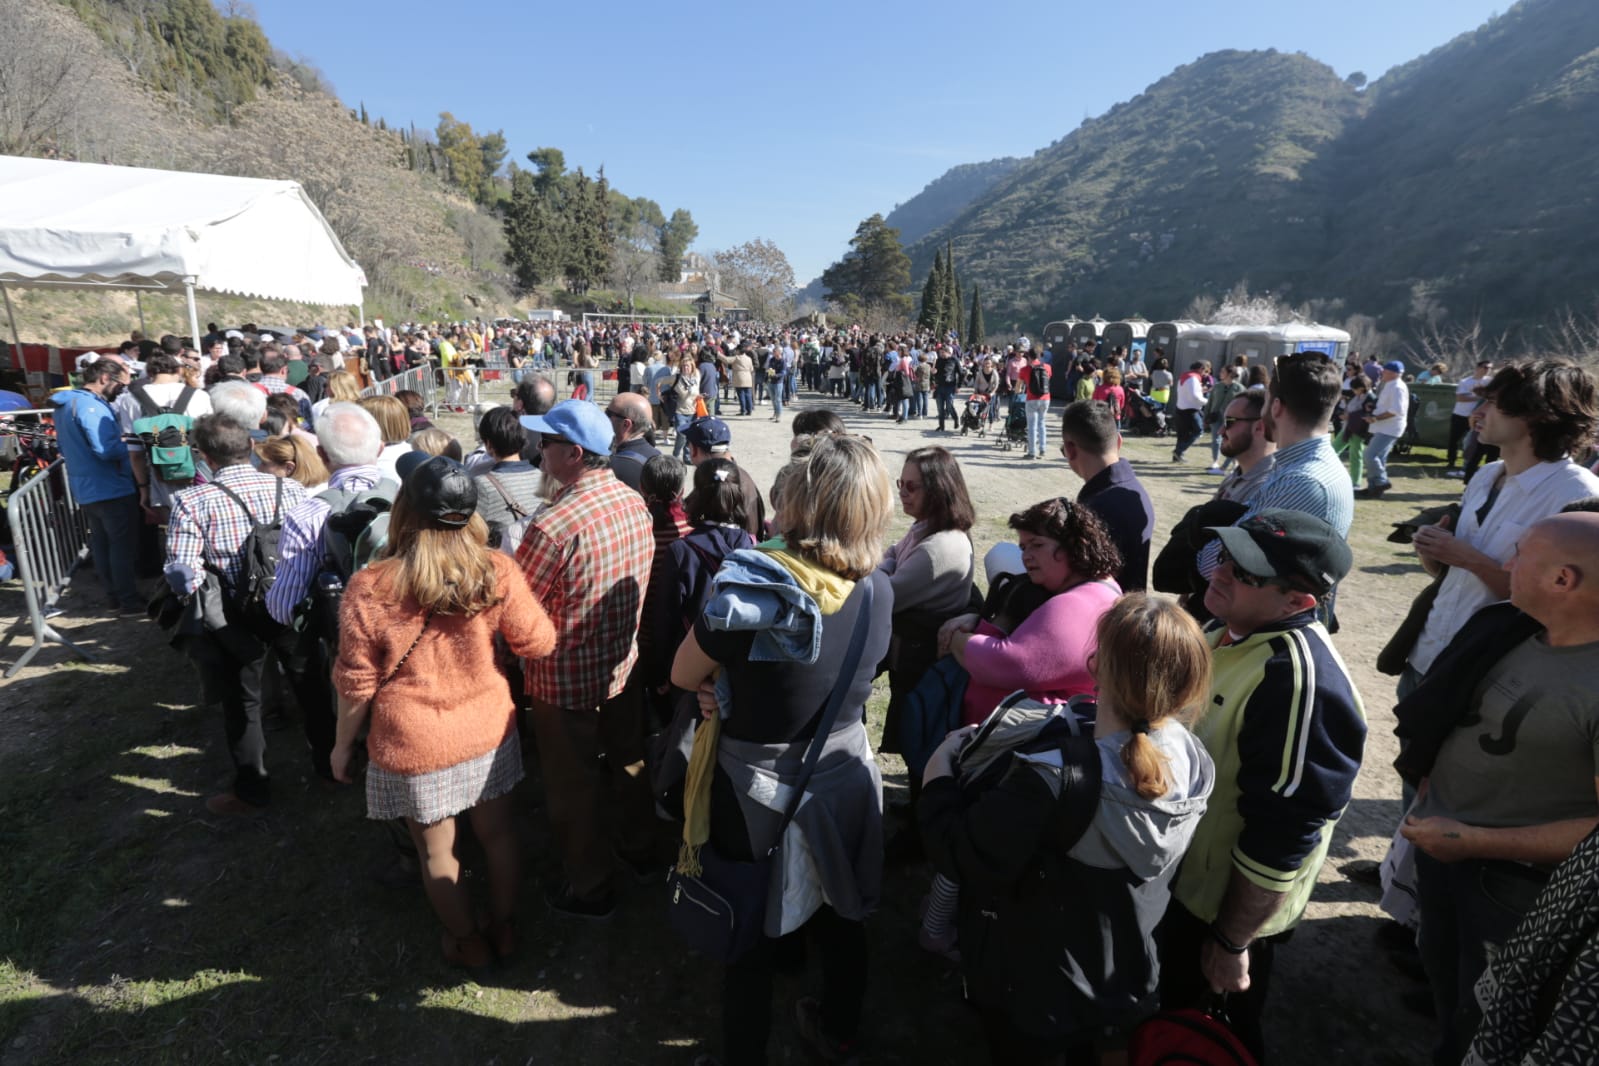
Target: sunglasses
1242	576
1230	422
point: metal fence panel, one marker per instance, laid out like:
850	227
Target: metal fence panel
51	535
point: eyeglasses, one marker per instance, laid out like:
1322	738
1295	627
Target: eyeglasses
616	414
1229	422
1242	576
907	486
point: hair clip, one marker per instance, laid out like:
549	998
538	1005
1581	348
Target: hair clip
722	473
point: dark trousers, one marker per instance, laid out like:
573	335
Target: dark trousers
308	662
571	742
1180	937
230	675
945	397
1468	909
1189	427
1478	454
747	986
746	400
114	543
1458	426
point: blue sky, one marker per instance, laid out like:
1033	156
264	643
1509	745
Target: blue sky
794	123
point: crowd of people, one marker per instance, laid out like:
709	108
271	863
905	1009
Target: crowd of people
1126	771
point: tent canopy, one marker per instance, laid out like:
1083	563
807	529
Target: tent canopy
126	227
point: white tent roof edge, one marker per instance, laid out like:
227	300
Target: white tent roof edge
66	224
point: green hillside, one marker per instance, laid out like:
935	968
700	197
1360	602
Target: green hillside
946	196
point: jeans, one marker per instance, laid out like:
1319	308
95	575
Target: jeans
1037	427
1188	431
874	393
230	675
945	395
746	400
680	444
1377	461
747	986
114	544
776	394
919	409
1468	909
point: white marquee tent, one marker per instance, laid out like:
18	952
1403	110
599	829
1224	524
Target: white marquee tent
88	225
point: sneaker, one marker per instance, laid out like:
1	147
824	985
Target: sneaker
563	900
1214	470
808	1017
1029	455
1459	474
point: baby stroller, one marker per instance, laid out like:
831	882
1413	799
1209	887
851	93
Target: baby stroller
1015	423
1145	417
975	415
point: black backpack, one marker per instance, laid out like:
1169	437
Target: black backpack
244	599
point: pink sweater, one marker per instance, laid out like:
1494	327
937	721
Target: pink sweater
1047	655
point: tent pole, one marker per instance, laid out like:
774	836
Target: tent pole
11	315
138	301
360	309
194	319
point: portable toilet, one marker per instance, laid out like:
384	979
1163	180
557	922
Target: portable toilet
1057	335
1164	335
1270	343
1125	334
1086	334
1203	343
1057	352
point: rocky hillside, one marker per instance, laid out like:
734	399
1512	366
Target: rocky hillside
947	196
1456	185
428	252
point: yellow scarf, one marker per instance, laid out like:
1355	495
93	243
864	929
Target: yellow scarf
829	591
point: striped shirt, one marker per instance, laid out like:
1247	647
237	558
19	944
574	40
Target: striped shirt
1286	730
1308	477
207	526
300	549
587	558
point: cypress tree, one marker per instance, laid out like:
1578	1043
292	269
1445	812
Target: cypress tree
954	312
975	333
934	297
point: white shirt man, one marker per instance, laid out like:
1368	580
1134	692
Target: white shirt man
1388	423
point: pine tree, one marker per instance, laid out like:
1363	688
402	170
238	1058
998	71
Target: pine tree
934	297
975	332
364	120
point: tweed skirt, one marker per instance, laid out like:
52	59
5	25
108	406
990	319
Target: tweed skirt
440	794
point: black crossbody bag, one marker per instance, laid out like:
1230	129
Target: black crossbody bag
721	914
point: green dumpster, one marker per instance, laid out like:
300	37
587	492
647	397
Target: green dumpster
1435	403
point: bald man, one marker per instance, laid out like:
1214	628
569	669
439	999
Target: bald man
1504	734
631	421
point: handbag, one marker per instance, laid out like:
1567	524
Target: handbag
721	912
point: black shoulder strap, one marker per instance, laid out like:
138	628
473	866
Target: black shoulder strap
184	397
835	700
1080	780
146	404
242	505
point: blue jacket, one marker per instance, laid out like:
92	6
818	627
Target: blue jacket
91	442
753	591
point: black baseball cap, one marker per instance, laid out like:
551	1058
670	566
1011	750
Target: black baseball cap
441	489
1292	545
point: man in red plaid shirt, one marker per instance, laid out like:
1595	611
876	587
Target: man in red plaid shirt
587	558
208	528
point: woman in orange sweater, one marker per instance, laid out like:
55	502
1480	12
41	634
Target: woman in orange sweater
416	655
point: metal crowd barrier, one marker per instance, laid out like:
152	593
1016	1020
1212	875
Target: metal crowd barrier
51	535
417	379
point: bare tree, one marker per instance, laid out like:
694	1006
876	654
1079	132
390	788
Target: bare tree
43	76
759	276
1460	346
635	261
1576	336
